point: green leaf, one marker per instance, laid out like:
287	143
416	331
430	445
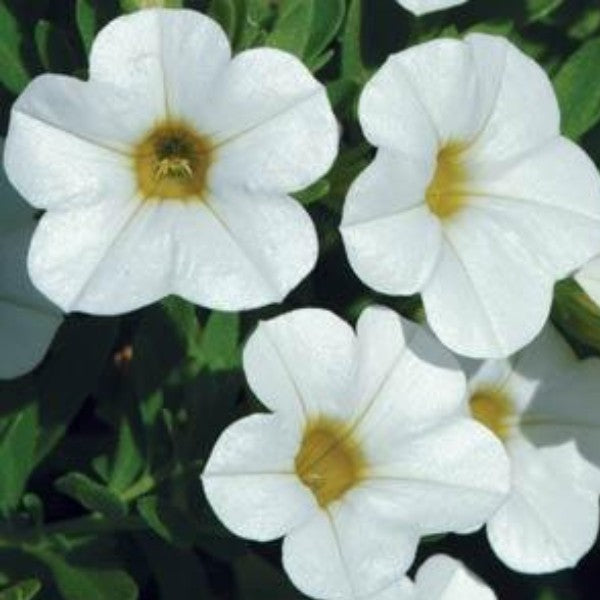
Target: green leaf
306	27
352	60
18	436
53	48
85	583
219	346
91	16
24	590
13	73
578	97
313	193
166	520
92	495
538	9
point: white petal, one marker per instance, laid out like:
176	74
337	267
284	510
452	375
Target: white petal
406	380
272	122
392	240
444	578
348	552
488	296
525	112
422	7
227	254
403	590
551	517
67	141
28	321
149	53
565	408
450	477
250	479
300	364
589	279
551	200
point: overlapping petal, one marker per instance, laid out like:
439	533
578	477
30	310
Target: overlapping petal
589	279
421	7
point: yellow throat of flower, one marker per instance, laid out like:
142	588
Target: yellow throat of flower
172	162
494	409
445	194
329	461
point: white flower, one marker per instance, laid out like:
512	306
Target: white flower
589	279
440	577
169	170
28	321
365	451
422	7
474	199
543	403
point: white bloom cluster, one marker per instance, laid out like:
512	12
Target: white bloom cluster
170	172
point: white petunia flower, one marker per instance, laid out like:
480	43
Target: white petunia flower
365	450
543	403
169	170
589	279
474	199
422	7
440	577
28	321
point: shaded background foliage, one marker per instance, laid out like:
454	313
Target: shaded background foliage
101	446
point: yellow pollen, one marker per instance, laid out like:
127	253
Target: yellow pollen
494	409
445	195
172	162
329	461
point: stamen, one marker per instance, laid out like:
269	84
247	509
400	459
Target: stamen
494	409
445	193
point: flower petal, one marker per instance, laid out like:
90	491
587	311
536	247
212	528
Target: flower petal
250	479
149	53
392	240
422	7
300	364
449	477
551	200
444	578
67	141
551	517
524	114
28	321
228	254
487	297
566	408
272	122
589	279
348	552
406	379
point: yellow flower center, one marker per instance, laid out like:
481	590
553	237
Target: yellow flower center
494	409
329	461
172	162
445	195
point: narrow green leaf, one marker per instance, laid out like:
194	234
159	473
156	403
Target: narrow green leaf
84	583
352	60
18	435
328	16
92	495
166	520
579	99
313	193
538	9
24	590
13	73
131	5
91	16
291	31
219	347
53	48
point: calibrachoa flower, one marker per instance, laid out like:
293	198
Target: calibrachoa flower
439	578
169	170
589	279
421	7
474	199
28	321
543	404
365	450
